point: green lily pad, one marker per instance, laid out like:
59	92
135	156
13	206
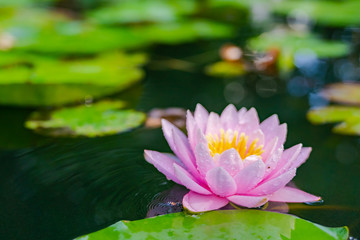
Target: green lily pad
184	31
349	118
132	11
348	93
102	118
288	41
45	31
33	80
333	13
225	224
226	69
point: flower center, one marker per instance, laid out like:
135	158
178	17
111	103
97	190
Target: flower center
232	139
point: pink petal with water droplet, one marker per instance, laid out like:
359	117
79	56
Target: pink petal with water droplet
272	129
163	163
249	122
201	116
184	153
250	176
186	179
213	124
168	129
191	128
288	194
220	182
248	201
195	202
204	161
286	160
230	160
271	162
303	156
229	118
272	185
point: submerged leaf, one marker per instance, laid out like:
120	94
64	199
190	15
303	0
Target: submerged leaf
102	118
348	93
348	116
228	224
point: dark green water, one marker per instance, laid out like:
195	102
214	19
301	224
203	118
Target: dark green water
60	189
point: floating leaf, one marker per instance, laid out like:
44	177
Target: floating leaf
288	41
142	11
32	80
228	224
348	93
348	116
184	31
102	118
226	69
334	13
50	32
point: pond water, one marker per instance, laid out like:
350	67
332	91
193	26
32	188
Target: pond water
61	188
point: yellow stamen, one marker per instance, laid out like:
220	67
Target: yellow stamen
232	139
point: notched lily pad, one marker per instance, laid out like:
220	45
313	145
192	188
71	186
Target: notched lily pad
226	69
347	93
33	80
349	118
225	224
289	41
99	119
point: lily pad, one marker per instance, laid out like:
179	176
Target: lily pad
348	93
333	13
226	69
131	11
349	118
289	41
32	80
102	118
225	224
184	31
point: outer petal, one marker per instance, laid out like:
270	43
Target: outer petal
191	128
249	122
248	201
229	117
288	194
213	124
220	182
204	161
185	154
230	160
201	116
272	185
303	156
163	163
286	160
201	203
189	181
168	129
250	176
271	129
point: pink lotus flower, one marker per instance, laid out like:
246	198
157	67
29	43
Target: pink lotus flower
231	158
